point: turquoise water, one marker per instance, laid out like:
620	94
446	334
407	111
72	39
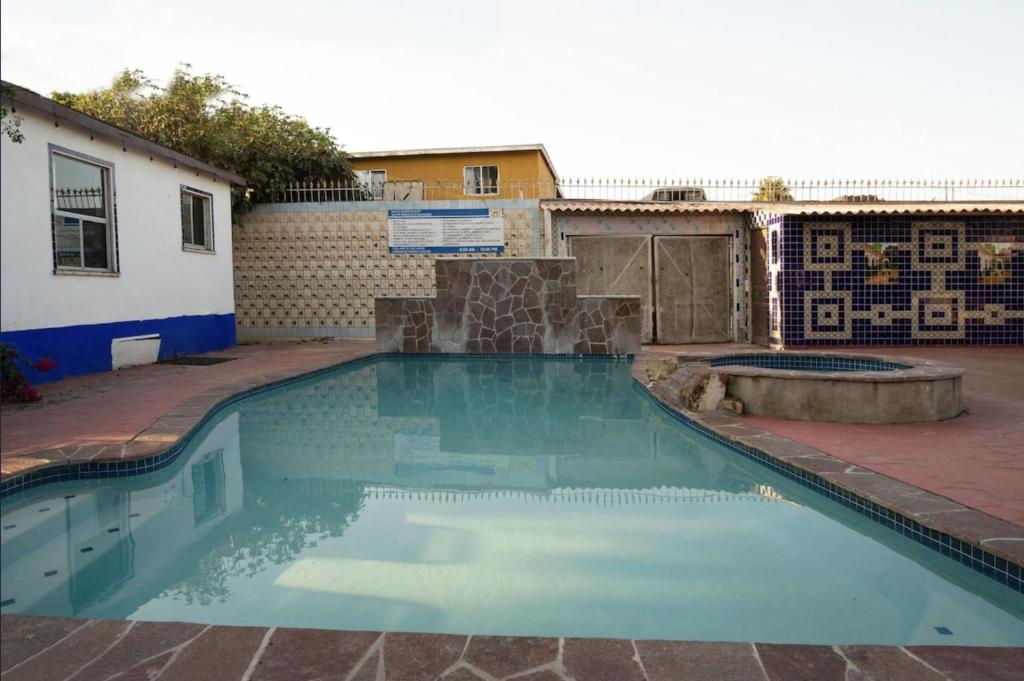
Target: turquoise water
490	497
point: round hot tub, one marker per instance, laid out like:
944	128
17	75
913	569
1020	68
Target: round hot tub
795	361
838	387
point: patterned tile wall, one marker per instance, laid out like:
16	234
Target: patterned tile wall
312	270
773	268
898	280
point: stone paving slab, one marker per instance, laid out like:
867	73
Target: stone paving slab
58	649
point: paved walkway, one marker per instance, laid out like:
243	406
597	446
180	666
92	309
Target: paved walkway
114	407
55	648
976	459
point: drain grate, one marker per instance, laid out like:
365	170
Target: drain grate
197	361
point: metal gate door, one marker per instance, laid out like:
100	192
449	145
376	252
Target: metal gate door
692	289
615	265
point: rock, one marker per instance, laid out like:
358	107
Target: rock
732	404
702	389
657	369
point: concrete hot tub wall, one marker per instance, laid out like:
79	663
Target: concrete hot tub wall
924	391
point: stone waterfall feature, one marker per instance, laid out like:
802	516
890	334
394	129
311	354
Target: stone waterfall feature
525	305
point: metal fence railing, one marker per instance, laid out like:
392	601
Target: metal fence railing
787	189
77	200
667	189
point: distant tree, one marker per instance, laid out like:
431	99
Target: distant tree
206	117
10	124
772	189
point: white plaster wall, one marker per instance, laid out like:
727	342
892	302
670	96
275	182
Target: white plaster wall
157	278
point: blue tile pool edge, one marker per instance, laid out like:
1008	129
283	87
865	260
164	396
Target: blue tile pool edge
1001	570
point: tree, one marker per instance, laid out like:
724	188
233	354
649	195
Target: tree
772	188
205	117
10	124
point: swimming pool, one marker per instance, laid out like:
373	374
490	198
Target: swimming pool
807	362
486	496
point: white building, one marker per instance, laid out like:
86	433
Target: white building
114	250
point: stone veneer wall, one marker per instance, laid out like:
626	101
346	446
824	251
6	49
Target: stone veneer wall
509	305
314	269
897	279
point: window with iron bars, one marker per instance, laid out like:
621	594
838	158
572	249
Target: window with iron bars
479	180
83	220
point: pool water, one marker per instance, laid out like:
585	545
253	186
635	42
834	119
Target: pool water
802	362
487	496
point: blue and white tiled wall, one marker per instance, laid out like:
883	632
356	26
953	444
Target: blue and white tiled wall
772	223
896	280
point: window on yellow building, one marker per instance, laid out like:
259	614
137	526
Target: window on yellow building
480	179
373	180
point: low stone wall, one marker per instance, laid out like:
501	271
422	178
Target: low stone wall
404	324
526	305
608	325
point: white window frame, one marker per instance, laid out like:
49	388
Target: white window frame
110	220
466	187
365	178
192	192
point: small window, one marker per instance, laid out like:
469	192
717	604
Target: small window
82	214
480	179
373	180
196	220
208	499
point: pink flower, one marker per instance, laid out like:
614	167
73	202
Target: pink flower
44	364
26	393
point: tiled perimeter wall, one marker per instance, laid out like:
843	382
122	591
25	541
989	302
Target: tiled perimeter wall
314	269
497	306
896	280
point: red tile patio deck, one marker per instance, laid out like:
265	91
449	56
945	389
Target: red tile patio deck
976	459
116	407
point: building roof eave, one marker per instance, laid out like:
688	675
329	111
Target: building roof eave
27	99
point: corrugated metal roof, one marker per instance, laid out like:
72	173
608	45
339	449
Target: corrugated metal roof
785	208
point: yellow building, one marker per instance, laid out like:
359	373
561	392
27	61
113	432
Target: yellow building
465	173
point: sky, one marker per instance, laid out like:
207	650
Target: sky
727	88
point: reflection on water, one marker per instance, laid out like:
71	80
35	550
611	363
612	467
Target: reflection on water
485	496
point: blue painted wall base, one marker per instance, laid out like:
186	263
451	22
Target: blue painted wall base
85	349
